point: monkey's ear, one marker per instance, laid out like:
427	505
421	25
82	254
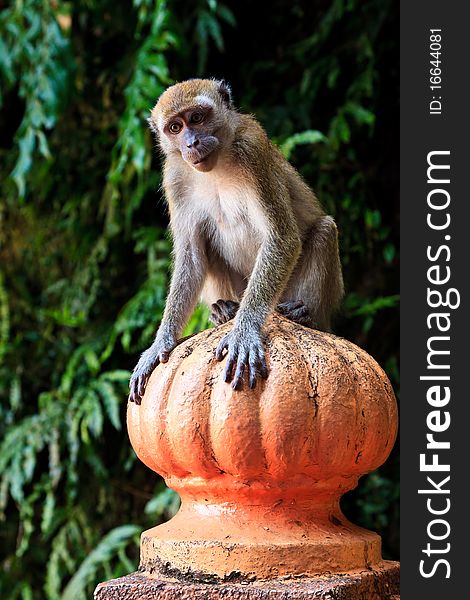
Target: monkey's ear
226	92
152	125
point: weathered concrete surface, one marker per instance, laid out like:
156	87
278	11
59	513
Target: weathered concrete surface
260	472
376	584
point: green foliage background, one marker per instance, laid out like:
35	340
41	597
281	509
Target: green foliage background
84	257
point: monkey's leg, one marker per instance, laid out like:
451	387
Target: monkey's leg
317	281
223	311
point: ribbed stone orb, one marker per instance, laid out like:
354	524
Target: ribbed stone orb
260	472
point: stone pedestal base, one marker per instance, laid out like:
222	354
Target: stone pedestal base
259	537
380	583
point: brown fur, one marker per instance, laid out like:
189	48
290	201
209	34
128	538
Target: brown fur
246	227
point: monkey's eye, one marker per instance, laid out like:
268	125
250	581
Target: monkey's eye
197	117
175	127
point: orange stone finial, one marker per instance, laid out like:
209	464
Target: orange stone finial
260	472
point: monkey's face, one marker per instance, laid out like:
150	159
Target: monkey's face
191	132
191	119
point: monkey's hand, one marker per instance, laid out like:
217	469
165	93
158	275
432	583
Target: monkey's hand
244	349
158	352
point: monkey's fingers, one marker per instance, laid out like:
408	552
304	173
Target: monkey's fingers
296	312
257	367
231	361
229	308
162	358
253	371
141	385
223	311
133	394
223	344
300	315
242	362
263	369
286	307
216	315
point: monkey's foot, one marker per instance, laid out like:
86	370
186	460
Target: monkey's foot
222	311
295	311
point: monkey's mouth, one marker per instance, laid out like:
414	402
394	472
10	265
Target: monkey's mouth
202	159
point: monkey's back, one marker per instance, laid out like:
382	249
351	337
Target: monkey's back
272	172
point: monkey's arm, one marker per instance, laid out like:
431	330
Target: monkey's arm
186	282
274	264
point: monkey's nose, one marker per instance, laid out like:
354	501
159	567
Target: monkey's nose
193	144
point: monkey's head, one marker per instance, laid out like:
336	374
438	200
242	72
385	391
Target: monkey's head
194	118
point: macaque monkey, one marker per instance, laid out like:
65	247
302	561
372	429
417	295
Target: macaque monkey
249	235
